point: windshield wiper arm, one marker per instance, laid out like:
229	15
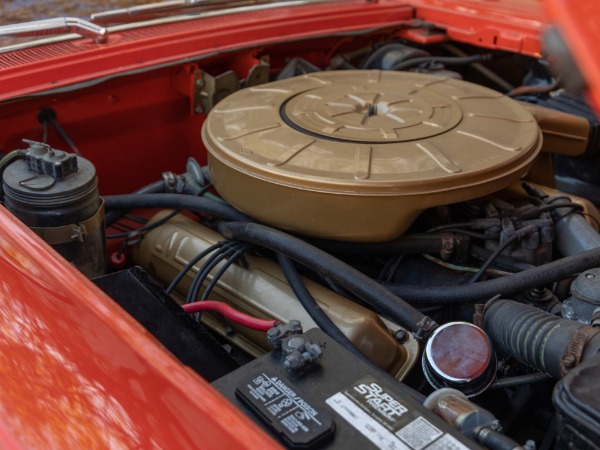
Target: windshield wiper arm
56	26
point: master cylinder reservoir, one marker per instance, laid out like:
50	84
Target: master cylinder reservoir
261	289
56	194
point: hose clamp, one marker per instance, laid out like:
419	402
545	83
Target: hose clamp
577	343
425	327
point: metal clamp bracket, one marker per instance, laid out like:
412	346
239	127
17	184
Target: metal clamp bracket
73	231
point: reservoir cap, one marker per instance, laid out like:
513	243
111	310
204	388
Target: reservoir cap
460	355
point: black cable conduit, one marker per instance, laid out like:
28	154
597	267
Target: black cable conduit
511	284
381	299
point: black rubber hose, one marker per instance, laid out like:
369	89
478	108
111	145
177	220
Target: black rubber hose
446	60
173	201
519	380
191	264
137	232
404	245
511	284
380	58
314	310
240	250
365	288
494	440
538	338
211	262
488	262
153	188
503	262
324	322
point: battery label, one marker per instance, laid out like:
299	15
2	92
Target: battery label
379	400
292	416
419	433
386	421
360	420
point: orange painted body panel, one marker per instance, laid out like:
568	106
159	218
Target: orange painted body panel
511	25
78	372
579	23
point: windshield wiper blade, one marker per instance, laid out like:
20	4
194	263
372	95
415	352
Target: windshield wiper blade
56	26
153	10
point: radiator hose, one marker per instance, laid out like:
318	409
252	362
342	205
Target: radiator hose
549	343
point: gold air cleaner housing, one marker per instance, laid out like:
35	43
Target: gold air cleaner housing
357	155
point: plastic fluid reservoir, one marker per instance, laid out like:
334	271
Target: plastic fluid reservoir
56	194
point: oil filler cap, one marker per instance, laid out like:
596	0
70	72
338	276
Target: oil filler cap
459	355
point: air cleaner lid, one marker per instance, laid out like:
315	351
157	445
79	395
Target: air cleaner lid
375	133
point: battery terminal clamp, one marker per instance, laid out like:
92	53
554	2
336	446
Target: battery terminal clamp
297	349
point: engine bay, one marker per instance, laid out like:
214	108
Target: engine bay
407	199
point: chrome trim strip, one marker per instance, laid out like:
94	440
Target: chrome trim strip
168	20
56	26
151	9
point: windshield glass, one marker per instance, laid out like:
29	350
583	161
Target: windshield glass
16	11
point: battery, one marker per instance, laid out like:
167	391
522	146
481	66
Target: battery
337	402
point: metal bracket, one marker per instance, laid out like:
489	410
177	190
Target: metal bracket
211	90
204	90
258	74
186	82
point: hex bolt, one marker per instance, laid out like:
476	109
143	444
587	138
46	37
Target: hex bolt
296	343
538	292
401	336
496	426
273	333
295	326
